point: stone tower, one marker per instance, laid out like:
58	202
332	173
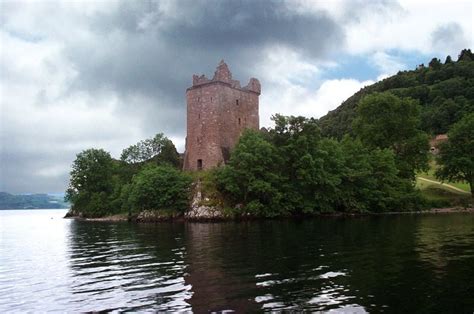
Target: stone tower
218	111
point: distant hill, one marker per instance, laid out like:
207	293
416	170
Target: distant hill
31	201
445	92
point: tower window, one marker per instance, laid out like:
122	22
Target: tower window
236	102
199	164
239	121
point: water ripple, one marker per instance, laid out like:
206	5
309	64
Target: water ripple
399	263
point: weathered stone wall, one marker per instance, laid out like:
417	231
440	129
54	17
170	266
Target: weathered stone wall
218	111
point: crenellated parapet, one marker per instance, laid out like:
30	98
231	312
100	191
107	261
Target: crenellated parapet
254	86
223	75
198	80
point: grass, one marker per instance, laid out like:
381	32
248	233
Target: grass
442	196
430	174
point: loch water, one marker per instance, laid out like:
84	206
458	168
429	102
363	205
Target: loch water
394	263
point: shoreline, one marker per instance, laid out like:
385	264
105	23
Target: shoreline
182	218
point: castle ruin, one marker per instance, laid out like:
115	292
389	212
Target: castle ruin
218	111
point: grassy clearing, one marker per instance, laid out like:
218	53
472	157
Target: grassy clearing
430	174
442	196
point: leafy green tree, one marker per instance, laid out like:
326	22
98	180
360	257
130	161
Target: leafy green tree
456	156
158	148
435	63
370	181
318	177
466	55
91	182
251	178
159	188
297	140
387	121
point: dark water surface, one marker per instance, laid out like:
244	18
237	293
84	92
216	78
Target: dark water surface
406	263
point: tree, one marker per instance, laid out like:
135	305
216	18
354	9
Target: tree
158	148
297	141
466	55
91	182
387	121
318	178
448	60
435	63
251	178
160	188
456	157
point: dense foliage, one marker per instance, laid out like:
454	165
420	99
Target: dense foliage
456	158
144	178
387	121
159	149
293	170
445	93
161	187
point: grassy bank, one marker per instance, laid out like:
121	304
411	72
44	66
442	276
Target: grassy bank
430	175
442	194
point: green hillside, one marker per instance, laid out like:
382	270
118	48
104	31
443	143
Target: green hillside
445	92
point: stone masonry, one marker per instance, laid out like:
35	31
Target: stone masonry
218	111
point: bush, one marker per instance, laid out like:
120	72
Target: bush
160	188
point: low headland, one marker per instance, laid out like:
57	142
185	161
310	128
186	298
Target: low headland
378	153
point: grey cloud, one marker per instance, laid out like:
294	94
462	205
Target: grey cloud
144	53
19	172
448	36
158	60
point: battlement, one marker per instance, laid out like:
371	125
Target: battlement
223	75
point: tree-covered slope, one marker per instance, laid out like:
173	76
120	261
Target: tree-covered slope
445	92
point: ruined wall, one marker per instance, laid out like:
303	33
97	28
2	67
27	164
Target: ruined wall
218	111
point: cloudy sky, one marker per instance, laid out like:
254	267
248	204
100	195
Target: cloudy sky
106	74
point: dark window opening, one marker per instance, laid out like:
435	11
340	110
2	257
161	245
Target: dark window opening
199	116
239	121
211	99
237	102
225	153
199	164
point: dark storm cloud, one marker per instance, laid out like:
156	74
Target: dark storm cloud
140	49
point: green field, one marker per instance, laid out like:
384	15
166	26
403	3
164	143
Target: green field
442	194
430	174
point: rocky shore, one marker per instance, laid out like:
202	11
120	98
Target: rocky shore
203	213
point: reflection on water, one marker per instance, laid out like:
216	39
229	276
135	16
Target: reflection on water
128	268
368	264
